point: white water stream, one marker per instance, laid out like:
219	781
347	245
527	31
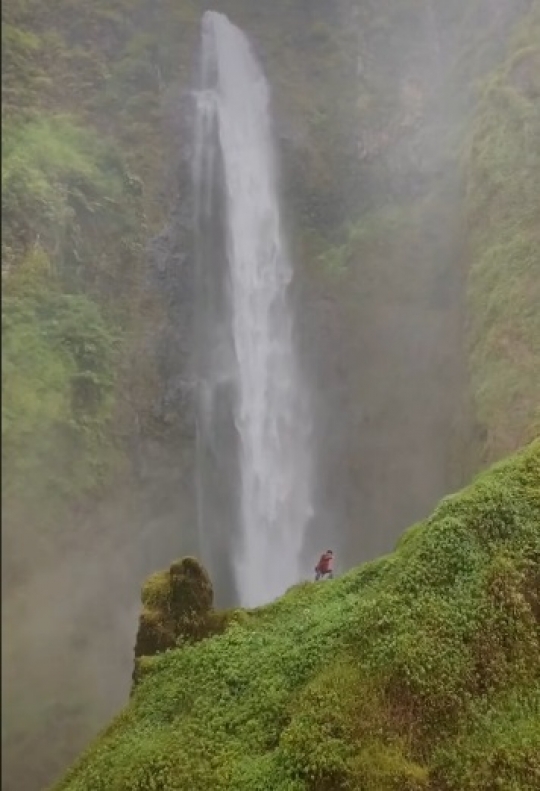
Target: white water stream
270	406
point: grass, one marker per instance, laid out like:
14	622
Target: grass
416	671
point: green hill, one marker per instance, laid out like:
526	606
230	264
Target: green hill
408	136
420	670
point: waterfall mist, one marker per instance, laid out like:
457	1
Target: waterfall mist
253	428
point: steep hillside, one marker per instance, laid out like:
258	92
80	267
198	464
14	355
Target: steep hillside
408	142
502	176
419	670
82	191
83	154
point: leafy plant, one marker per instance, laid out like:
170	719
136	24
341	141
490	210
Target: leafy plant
417	671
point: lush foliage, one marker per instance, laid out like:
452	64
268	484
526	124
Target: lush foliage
57	382
424	230
93	114
72	232
503	205
86	92
69	251
177	608
73	293
416	671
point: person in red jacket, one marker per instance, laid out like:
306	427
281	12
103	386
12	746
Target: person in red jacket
325	566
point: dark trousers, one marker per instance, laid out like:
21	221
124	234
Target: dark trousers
324	575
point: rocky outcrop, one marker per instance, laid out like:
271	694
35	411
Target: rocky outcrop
177	608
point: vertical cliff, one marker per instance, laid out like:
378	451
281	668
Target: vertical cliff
408	152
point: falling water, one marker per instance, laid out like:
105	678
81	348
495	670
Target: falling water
253	414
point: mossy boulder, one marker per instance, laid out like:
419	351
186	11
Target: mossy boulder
155	592
177	608
418	671
191	589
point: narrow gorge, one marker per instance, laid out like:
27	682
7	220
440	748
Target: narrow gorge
270	284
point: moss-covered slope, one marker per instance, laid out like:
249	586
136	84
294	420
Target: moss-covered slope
419	670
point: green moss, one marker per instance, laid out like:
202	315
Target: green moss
177	609
416	671
500	747
155	634
191	589
156	590
503	204
85	89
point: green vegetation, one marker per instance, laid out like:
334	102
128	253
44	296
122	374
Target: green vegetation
425	230
70	246
502	170
57	383
86	97
417	671
372	113
72	238
177	608
73	312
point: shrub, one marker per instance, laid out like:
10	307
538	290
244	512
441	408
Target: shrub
417	671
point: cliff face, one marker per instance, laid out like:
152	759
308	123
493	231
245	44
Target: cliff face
373	108
502	177
419	671
409	157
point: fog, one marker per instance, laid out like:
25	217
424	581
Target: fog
385	355
69	623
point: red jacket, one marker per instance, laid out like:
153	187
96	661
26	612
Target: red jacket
325	563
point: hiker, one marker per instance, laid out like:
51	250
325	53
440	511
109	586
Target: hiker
323	569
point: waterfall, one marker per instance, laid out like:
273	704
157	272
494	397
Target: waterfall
254	462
